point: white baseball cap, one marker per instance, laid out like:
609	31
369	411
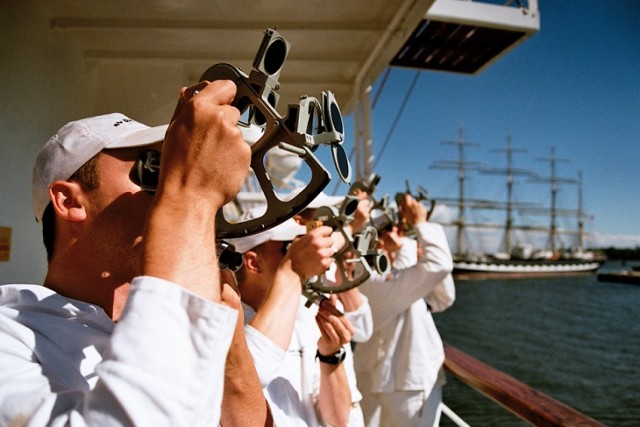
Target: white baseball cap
78	142
284	232
322	199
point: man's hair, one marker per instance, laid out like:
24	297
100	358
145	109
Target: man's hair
307	214
89	178
241	274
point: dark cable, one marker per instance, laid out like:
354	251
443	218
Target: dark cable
397	118
384	80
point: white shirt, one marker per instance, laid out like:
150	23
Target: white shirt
290	379
64	362
405	351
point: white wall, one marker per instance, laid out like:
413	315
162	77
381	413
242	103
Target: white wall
27	115
46	82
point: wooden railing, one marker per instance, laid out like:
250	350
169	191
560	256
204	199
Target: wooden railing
525	402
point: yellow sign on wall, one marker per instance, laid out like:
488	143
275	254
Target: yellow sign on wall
5	243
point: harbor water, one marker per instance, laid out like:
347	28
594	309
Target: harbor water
574	338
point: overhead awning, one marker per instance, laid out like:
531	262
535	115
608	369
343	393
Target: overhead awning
466	36
138	55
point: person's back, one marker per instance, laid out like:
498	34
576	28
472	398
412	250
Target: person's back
399	368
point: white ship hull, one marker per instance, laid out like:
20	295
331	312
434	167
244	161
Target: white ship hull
525	268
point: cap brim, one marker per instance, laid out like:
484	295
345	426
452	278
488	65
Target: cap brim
322	199
139	138
288	230
325	200
284	232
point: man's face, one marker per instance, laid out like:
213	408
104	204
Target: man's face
269	255
390	240
116	170
117	209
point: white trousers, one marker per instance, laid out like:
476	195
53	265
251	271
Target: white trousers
400	408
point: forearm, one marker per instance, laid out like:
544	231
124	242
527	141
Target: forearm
334	400
275	318
243	403
435	252
351	300
177	250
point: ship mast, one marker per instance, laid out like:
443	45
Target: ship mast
554	181
581	214
509	172
461	165
463	203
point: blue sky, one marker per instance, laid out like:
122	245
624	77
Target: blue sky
574	85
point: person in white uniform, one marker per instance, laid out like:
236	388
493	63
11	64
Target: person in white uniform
298	351
352	302
131	325
400	368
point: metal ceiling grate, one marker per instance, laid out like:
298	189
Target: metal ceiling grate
445	46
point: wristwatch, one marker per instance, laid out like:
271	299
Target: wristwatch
332	359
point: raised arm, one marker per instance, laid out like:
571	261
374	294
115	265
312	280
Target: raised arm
308	255
204	162
434	264
334	400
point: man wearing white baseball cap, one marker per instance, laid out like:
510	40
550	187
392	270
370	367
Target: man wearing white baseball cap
78	142
298	354
132	325
352	302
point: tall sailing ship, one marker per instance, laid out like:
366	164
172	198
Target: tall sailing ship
516	260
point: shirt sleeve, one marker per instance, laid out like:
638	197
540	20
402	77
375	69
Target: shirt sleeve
362	320
443	295
393	294
164	365
267	356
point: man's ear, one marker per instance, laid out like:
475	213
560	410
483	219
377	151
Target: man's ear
252	262
68	200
